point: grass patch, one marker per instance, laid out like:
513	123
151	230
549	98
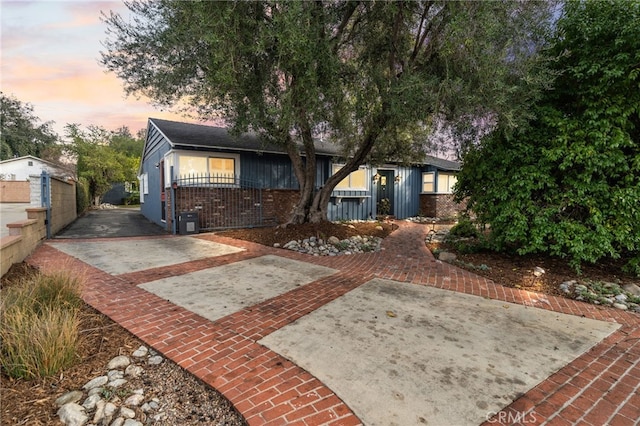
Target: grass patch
39	321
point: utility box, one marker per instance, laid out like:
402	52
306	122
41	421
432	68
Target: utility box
188	223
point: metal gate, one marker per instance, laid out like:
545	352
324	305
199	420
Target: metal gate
45	197
221	201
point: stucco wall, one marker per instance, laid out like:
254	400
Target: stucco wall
14	191
23	238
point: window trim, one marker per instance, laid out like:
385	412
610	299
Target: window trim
179	155
449	187
433	183
350	188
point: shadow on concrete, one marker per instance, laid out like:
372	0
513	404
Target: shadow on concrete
111	223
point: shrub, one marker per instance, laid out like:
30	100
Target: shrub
464	229
38	344
39	325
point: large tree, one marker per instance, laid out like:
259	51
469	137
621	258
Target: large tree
375	75
568	183
103	157
22	133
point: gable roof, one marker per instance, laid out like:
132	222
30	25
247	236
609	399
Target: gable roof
28	157
187	135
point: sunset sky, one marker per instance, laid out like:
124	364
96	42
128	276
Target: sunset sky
49	58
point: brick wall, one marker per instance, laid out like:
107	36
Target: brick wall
14	191
220	207
440	206
279	203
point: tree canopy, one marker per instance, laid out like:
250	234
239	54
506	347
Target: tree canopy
568	183
374	76
22	133
103	157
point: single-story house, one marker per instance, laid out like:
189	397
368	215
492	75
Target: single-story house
15	175
20	168
242	181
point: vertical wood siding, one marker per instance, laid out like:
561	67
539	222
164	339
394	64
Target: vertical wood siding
155	148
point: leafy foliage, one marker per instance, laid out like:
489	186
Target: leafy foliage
464	229
103	158
372	76
568	183
21	132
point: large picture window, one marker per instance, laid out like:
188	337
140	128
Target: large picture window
446	181
216	168
355	181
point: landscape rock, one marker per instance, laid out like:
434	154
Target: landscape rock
134	400
538	271
117	383
621	298
127	413
73	396
72	414
141	352
132	422
155	360
445	256
333	240
133	370
620	306
632	289
120	361
119	421
91	402
97	382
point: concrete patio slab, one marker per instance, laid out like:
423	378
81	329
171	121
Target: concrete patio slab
217	292
120	257
400	354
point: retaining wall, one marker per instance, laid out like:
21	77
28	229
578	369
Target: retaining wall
25	235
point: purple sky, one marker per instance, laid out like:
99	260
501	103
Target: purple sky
49	58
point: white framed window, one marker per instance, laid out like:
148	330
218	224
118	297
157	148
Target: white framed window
356	181
428	182
221	168
144	186
446	182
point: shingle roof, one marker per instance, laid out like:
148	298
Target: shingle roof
441	163
198	135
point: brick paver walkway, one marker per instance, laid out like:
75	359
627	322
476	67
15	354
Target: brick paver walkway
601	387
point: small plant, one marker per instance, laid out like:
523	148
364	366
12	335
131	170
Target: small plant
39	325
342	245
384	206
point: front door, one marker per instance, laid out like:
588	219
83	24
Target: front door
384	198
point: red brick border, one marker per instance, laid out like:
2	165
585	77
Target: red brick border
602	386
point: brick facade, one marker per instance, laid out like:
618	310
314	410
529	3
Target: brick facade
440	206
220	207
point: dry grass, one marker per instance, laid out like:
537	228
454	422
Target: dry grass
39	325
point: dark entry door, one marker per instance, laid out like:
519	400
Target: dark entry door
384	198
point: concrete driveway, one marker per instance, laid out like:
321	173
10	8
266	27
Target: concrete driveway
388	338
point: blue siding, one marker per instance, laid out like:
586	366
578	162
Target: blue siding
156	147
268	170
276	172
